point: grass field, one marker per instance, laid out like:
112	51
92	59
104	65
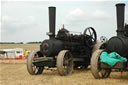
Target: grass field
16	74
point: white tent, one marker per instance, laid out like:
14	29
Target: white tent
11	53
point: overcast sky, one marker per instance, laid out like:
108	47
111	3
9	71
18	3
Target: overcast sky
25	21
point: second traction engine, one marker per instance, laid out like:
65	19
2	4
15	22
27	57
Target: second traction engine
117	44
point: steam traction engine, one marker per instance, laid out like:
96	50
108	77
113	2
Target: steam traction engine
117	44
64	50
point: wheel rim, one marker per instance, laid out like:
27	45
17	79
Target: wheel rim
35	68
65	63
32	69
95	66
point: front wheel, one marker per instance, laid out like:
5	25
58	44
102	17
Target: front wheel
32	69
64	63
98	72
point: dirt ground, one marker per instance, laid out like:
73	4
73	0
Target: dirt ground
16	74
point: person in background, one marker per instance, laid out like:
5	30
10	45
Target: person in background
26	53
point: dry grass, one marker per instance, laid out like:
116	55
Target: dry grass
24	46
16	74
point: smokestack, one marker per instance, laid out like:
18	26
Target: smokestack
120	19
52	17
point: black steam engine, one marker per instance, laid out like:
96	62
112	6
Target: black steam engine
118	44
64	50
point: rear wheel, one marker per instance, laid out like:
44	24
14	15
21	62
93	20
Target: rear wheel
95	66
32	69
64	63
96	46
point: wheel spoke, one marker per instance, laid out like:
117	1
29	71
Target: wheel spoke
92	35
70	59
103	73
89	31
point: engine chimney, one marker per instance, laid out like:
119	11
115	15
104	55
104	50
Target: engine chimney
120	19
52	17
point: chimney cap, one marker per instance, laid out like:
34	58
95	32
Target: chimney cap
51	7
120	4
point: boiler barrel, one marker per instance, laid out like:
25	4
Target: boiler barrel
119	45
51	47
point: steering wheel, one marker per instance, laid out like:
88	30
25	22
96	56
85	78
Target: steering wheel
90	36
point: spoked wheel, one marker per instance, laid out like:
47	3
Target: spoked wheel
91	36
64	63
32	69
95	69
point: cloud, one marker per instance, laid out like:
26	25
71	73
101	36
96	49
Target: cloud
78	16
23	21
75	15
31	19
12	25
98	14
15	29
24	4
